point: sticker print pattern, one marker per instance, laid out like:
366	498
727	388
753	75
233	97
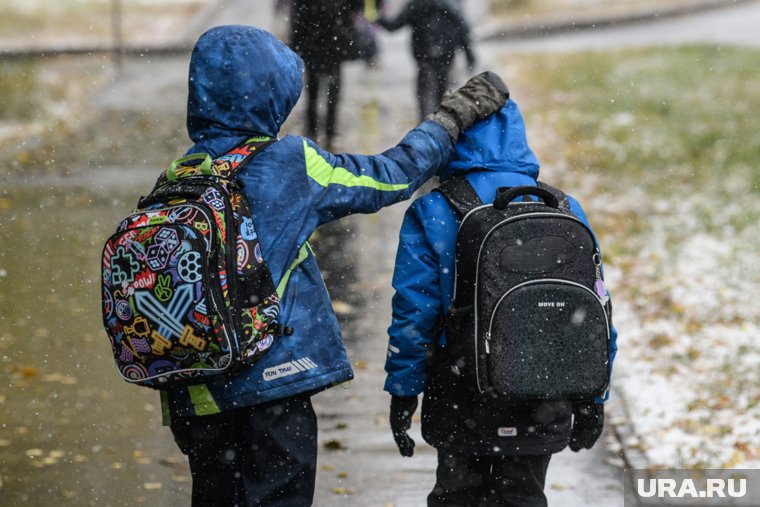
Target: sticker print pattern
178	303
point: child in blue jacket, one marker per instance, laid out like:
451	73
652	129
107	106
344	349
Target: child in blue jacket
251	438
493	153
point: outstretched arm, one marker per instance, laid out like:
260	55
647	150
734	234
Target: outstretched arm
344	184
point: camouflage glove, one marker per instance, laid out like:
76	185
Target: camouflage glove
402	409
588	423
479	97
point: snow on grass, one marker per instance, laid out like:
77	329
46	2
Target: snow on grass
688	358
668	172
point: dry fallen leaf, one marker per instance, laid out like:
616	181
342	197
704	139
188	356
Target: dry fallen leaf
171	461
24	371
342	308
334	445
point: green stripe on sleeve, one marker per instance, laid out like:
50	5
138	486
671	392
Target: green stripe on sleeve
203	402
323	173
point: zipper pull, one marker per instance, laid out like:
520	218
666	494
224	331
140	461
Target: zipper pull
599	287
488	342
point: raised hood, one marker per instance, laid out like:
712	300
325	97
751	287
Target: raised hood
242	81
497	143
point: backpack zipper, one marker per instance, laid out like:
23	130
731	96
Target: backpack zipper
536	282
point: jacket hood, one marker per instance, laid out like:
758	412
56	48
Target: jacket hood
242	81
497	143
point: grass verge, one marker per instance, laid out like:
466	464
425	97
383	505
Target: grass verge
661	147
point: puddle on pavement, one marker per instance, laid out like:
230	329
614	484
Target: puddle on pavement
72	431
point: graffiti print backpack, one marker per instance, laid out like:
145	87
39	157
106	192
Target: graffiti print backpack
186	292
530	319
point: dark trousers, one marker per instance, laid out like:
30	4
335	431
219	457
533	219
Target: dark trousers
315	77
432	82
261	455
470	481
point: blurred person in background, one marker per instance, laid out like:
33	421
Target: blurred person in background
323	33
439	30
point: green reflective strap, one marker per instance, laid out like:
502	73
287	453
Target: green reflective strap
370	10
303	253
166	417
204	158
203	402
323	173
258	139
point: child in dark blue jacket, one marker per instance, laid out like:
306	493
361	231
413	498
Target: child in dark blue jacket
251	437
472	470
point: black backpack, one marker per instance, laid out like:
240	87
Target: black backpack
531	318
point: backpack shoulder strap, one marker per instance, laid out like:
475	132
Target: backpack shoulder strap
232	162
460	194
564	202
225	166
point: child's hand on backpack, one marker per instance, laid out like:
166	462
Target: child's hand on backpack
402	409
588	423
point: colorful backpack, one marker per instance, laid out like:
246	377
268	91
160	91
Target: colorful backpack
186	291
531	318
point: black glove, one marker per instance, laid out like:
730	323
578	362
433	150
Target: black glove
402	409
479	97
588	423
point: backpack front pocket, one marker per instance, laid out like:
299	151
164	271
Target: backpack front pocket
167	316
548	339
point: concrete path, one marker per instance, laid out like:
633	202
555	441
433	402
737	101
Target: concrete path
358	462
729	25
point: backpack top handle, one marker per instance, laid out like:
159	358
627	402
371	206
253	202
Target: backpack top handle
504	196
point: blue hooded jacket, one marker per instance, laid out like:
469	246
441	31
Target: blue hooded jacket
492	153
245	82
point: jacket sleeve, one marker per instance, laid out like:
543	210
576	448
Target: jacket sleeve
416	305
344	184
577	210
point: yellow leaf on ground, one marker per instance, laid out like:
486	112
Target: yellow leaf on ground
334	445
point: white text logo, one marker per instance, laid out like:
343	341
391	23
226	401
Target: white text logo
289	368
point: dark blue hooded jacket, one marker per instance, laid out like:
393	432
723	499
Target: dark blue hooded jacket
244	82
492	153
